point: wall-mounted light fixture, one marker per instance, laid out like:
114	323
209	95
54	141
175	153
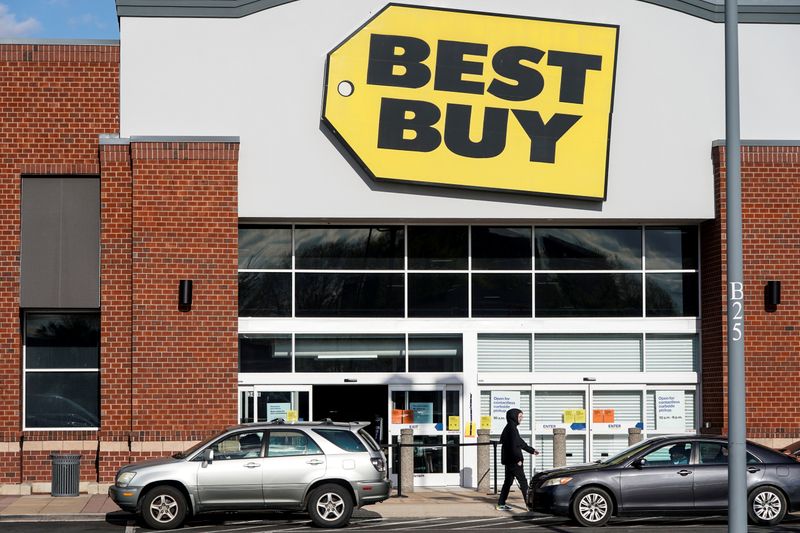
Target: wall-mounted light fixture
185	295
772	295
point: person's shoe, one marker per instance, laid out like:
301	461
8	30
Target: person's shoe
503	507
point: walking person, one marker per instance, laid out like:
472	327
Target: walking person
511	457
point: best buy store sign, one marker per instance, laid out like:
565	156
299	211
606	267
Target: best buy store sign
478	100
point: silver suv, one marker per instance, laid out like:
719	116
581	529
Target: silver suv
326	468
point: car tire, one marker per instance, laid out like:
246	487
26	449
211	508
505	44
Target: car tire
766	506
592	507
330	506
163	507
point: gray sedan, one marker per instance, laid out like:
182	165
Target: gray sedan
665	475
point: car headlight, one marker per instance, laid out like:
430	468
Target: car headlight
125	478
556	481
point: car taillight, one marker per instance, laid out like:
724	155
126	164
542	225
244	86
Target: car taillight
379	464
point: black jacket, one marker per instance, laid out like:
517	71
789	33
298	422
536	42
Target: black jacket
512	444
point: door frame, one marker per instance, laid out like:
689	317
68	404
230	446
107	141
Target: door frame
439	479
256	388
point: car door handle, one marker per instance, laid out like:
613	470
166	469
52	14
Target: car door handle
684	472
252	465
314	462
752	469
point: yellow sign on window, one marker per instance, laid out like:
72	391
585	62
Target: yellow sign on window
467	99
453	423
291	416
486	422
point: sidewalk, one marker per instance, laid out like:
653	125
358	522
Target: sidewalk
429	502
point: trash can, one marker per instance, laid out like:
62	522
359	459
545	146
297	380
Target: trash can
66	474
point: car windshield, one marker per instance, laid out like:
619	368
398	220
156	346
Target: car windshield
201	444
626	454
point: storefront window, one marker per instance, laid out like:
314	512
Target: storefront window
500	295
265	353
437	295
57	396
435	353
350	247
673	294
495	248
671	248
265	294
589	248
350	353
575	295
349	295
437	247
265	247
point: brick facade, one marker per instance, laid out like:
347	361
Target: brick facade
771	223
168	212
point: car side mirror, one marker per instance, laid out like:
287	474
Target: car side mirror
208	456
639	463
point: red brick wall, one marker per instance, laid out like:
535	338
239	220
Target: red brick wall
771	224
54	101
185	364
168	212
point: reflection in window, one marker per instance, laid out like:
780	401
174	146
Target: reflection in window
239	446
437	247
350	247
501	248
266	294
673	294
291	443
588	295
64	340
343	439
589	248
671	248
503	295
54	343
265	247
265	353
350	353
349	295
437	295
435	353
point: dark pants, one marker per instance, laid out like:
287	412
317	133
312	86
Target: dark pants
513	472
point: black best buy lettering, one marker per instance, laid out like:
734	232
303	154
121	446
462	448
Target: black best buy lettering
397	61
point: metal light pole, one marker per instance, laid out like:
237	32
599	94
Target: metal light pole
737	457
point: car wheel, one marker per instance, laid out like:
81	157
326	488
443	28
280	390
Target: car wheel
766	506
330	506
163	507
592	507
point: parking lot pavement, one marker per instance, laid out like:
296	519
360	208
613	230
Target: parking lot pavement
276	523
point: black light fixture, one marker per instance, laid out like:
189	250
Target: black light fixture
772	295
185	295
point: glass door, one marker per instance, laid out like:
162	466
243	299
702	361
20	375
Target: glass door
613	410
263	403
560	406
434	413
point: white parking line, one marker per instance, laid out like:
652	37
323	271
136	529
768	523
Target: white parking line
130	527
473	522
400	524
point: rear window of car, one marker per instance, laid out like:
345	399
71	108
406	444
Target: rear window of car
342	438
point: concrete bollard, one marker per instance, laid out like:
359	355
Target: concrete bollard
634	436
559	447
407	460
484	452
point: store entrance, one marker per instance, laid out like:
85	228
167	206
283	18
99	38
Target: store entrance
354	403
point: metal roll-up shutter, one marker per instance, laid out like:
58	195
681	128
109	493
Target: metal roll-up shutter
587	353
605	446
627	405
550	405
576	450
690	411
504	353
672	353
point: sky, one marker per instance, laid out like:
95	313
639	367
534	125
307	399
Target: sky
58	19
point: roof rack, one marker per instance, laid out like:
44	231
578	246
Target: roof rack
277	421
